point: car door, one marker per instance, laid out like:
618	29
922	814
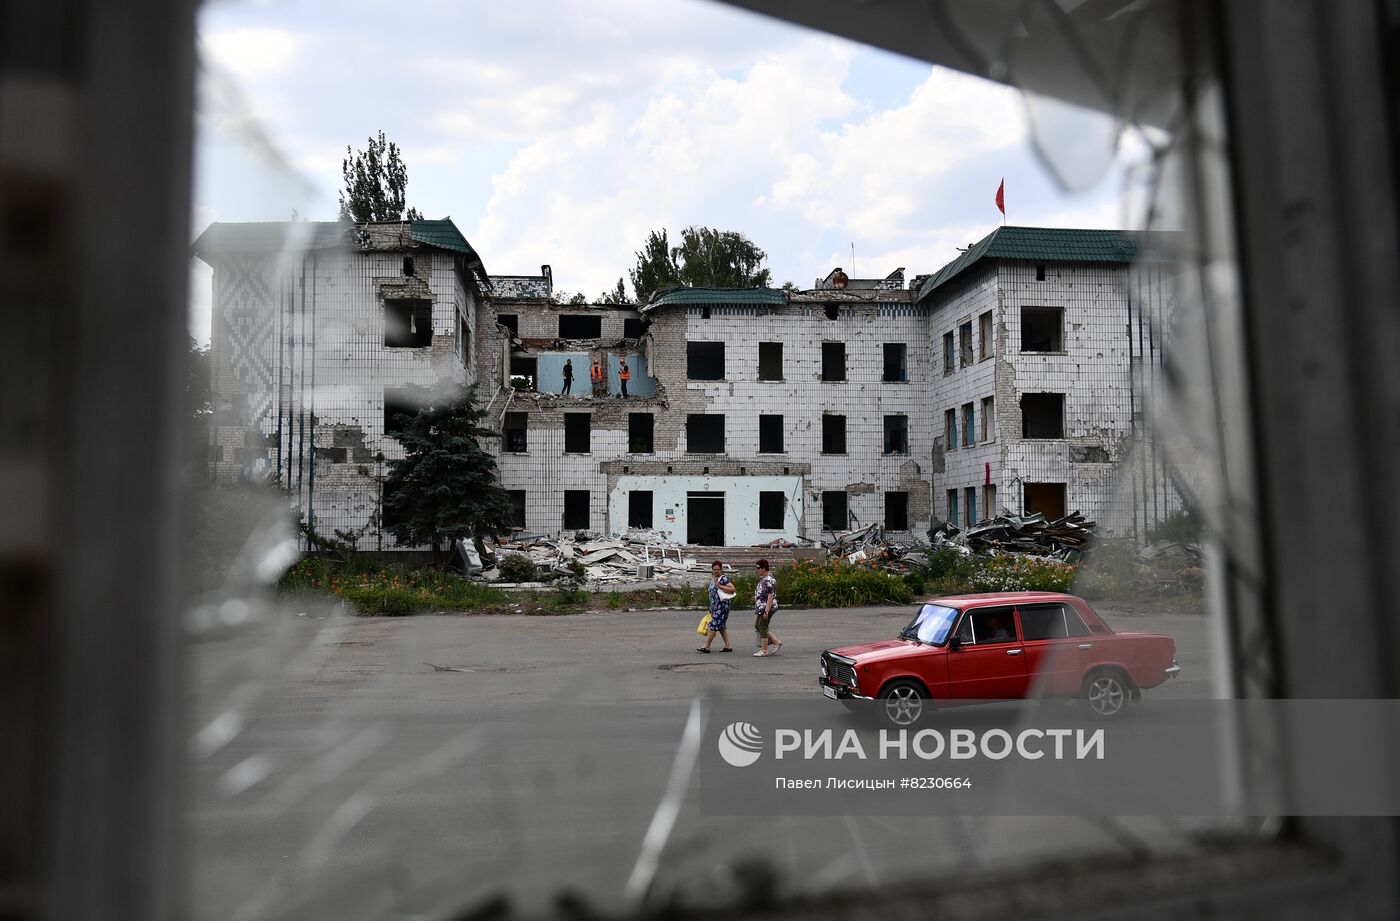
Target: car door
1051	649
989	661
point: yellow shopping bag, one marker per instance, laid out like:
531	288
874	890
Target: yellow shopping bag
704	628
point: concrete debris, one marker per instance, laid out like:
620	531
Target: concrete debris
869	545
636	556
1064	538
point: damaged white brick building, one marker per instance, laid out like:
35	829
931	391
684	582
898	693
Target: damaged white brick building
1013	379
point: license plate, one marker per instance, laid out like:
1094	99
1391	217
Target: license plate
829	692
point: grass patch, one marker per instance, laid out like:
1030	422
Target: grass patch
392	591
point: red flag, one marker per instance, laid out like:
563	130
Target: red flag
1001	198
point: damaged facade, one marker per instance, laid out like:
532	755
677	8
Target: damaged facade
318	330
1012	379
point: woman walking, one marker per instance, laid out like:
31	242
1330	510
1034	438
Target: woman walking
721	600
765	603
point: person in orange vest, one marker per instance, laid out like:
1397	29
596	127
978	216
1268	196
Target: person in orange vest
595	374
623	375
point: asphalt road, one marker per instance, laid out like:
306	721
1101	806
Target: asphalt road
408	767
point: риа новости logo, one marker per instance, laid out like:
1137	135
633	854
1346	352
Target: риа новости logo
740	744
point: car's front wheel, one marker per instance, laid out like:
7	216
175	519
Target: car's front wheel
1106	692
903	703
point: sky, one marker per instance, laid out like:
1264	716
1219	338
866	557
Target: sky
561	132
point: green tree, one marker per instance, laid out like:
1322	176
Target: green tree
375	180
617	295
705	258
656	267
445	487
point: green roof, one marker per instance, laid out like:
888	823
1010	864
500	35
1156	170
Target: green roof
270	237
712	297
442	234
1051	244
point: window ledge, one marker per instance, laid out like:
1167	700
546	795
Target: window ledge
1049	354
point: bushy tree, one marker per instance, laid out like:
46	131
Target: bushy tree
445	487
375	183
705	258
617	295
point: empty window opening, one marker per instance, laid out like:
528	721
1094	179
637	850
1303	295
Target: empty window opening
704	361
896	511
984	335
464	340
970	500
517	432
632	328
833	361
524	372
950	429
952	503
770	434
896	434
517	508
989	411
1046	498
577	434
1040	273
770	361
949	354
1042	329
989	501
577	326
704	519
832	311
896	354
639	433
771	508
576	511
705	312
969	439
639	508
510	321
965	343
834	517
833	434
408	265
1043	415
704	434
398	409
408	324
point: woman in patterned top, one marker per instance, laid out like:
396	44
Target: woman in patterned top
765	604
721	600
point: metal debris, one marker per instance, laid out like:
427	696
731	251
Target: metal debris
1064	538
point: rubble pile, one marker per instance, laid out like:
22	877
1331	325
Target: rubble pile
636	556
869	545
1064	538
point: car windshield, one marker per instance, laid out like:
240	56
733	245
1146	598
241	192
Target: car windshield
931	624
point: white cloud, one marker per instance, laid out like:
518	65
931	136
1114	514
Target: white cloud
876	178
584	198
253	54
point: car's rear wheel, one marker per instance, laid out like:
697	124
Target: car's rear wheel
903	703
1106	692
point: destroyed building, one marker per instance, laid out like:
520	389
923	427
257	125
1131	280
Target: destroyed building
1048	351
319	332
1011	379
752	415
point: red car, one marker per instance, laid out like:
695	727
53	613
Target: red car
1004	646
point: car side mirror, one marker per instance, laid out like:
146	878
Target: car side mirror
954	644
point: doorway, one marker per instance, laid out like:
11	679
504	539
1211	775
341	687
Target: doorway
704	519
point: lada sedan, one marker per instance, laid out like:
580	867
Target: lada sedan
1005	646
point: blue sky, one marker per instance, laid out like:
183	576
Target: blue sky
561	131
